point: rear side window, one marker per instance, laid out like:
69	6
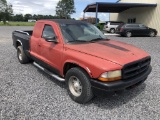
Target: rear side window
132	26
143	26
48	31
115	23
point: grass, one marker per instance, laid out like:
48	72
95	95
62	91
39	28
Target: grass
18	24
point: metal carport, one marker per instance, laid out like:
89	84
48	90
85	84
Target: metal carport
113	7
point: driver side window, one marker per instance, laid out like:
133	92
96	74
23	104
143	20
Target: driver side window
142	26
48	31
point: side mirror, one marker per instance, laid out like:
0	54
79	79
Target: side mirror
51	38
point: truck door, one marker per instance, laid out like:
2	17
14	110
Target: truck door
144	30
135	29
51	53
35	40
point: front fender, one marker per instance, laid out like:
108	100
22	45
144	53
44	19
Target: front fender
93	65
86	68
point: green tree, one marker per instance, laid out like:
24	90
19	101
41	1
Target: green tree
27	16
35	16
18	17
65	8
2	5
39	17
5	10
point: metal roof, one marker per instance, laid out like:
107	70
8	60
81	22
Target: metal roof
114	7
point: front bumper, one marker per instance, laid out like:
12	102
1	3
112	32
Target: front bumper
120	84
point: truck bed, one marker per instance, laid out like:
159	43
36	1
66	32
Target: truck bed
22	37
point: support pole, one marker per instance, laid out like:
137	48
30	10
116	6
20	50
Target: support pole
83	15
96	13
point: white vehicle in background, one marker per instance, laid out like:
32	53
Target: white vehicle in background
31	20
6	21
111	26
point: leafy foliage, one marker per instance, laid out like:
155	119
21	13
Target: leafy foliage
5	10
65	8
26	17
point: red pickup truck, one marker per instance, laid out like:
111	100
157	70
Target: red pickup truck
79	54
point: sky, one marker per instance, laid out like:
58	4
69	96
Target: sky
47	7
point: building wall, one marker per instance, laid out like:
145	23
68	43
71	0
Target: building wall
146	15
140	1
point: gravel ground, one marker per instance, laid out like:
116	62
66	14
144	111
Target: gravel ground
26	93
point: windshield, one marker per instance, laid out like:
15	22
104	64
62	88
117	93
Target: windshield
141	25
81	32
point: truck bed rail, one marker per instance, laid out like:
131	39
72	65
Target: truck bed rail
23	32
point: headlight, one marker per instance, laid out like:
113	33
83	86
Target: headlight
111	76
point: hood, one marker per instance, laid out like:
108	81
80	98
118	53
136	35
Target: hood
152	29
114	51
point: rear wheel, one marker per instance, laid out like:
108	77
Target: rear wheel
78	85
128	34
112	30
23	59
152	34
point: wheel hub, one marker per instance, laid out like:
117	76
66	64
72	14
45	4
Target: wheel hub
128	34
75	86
20	56
152	34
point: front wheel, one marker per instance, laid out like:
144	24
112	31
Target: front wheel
23	59
152	34
112	30
128	34
78	85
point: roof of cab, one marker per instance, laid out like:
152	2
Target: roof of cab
65	21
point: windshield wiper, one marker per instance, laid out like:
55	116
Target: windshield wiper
97	39
77	41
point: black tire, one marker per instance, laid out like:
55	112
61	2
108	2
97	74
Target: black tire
152	34
128	34
83	93
23	59
112	30
122	35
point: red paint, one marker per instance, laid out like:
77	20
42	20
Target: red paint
95	58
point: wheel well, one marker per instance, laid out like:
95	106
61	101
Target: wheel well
18	44
68	66
128	31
